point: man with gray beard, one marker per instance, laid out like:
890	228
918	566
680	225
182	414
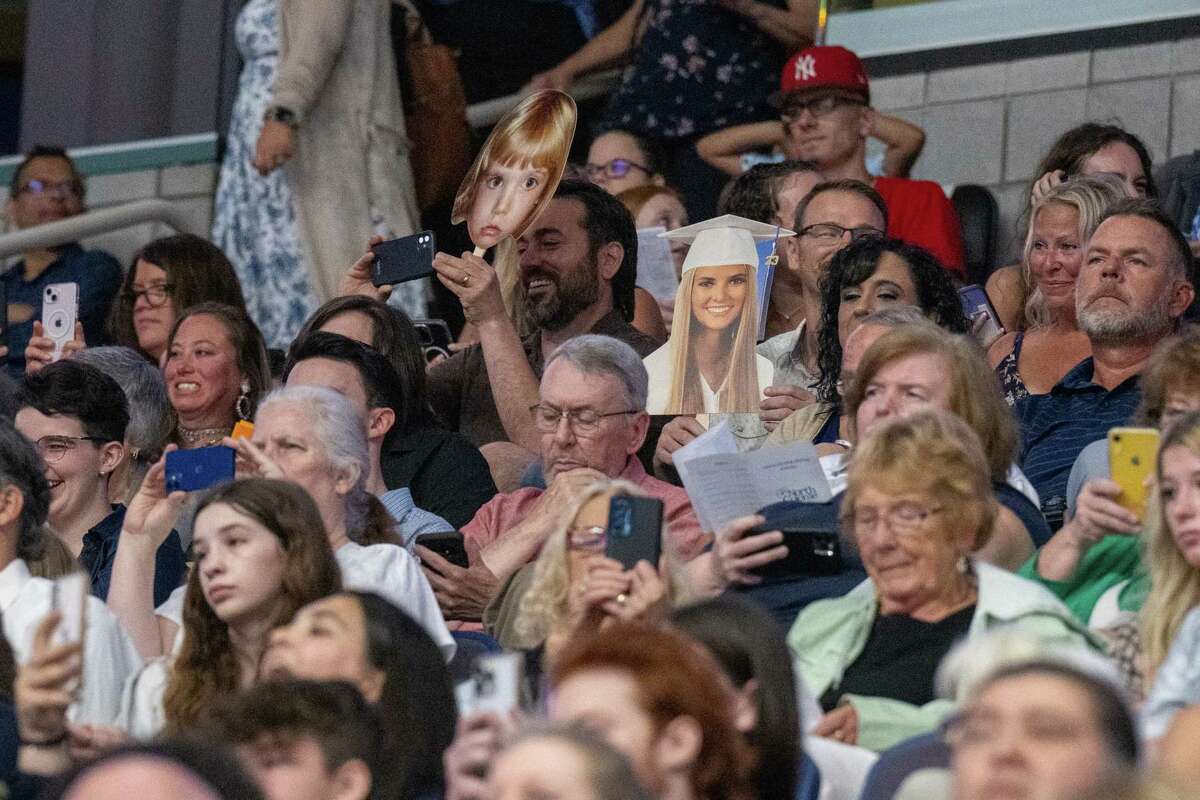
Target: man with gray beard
578	264
1131	292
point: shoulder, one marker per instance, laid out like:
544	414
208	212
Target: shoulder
1007	596
838	615
379	560
1001	349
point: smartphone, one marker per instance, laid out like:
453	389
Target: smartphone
60	309
70	594
1132	453
634	530
985	322
810	532
448	545
435	337
495	684
405	259
243	429
192	470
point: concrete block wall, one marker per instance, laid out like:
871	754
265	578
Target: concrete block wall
991	121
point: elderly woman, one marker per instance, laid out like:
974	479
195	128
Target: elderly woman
918	501
216	370
572	586
1034	360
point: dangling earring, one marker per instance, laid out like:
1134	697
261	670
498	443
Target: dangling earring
243	401
964	566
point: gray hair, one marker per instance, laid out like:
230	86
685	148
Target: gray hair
604	355
608	773
896	317
342	433
151	416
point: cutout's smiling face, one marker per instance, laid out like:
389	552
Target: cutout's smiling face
719	295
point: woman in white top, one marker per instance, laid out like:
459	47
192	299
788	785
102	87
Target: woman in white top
314	436
260	555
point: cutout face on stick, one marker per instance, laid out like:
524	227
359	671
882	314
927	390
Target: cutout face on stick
515	174
709	365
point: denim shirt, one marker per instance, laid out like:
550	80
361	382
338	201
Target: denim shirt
100	550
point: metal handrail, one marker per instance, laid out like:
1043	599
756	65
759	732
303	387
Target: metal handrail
489	112
93	223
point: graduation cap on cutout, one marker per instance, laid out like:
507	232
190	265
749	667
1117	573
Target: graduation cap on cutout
724	240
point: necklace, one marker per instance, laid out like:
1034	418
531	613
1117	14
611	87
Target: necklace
202	436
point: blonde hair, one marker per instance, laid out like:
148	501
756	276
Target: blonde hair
636	197
933	453
975	393
1174	366
1090	197
739	391
545	605
1174	583
537	132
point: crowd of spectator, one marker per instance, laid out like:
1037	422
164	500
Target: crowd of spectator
405	589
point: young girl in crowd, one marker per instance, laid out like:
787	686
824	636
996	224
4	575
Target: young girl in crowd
261	554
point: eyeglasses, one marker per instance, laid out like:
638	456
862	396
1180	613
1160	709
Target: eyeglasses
53	448
969	729
588	538
903	519
617	168
155	295
821	107
581	421
64	189
829	232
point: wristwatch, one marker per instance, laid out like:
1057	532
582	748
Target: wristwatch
281	114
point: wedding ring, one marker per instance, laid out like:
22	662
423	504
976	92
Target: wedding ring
465	279
622	598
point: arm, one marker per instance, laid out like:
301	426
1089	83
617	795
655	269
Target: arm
1010	545
514	386
793	26
607	47
1097	515
723	149
904	143
883	722
316	31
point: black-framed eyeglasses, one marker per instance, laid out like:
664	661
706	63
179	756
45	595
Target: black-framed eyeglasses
617	168
830	232
155	295
820	107
65	189
53	447
581	421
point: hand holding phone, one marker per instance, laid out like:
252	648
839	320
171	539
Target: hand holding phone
1132	455
449	545
985	322
408	258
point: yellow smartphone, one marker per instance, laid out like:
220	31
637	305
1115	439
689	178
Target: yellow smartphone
1131	458
244	429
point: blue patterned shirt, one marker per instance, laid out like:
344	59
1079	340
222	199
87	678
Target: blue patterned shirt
411	521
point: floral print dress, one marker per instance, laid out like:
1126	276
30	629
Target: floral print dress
697	68
254	221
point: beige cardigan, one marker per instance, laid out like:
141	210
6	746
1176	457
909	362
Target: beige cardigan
337	72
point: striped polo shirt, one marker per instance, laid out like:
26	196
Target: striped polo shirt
1055	427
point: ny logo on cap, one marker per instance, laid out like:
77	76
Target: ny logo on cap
806	68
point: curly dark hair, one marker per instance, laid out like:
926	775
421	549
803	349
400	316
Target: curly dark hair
20	466
936	295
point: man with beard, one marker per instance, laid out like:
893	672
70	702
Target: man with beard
1130	294
578	264
591	419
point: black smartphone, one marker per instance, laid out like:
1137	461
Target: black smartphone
634	530
193	470
435	337
448	545
810	532
405	259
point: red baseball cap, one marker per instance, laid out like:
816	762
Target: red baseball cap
823	67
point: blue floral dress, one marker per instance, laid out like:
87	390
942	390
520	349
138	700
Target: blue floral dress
697	68
254	221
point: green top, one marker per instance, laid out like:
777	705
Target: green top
1112	560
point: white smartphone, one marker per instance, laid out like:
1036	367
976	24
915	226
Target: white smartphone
495	685
60	310
70	599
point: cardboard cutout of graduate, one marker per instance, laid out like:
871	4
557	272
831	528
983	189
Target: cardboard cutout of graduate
515	174
709	364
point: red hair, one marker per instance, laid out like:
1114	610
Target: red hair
675	677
